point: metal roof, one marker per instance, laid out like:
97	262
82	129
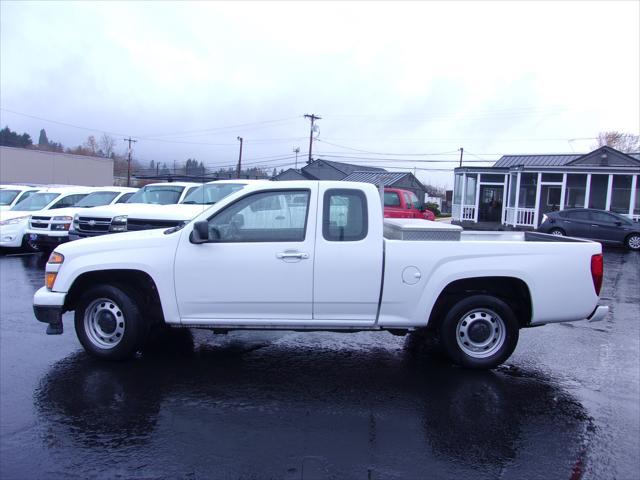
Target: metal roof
537	160
556	160
377	178
347	168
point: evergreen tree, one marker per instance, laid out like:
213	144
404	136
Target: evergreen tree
43	141
10	138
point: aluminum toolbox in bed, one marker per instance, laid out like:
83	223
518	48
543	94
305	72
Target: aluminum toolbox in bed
420	230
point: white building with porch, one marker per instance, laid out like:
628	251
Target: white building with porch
519	189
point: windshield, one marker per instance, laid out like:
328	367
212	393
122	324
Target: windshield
211	193
37	201
7	196
158	194
96	199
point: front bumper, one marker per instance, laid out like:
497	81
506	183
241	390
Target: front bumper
11	235
39	239
48	307
599	313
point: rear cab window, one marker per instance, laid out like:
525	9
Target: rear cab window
344	215
391	199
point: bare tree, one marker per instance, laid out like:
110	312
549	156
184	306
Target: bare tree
107	145
91	145
625	142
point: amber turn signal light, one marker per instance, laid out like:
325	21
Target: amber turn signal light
49	279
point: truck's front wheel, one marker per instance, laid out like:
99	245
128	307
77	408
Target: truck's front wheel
480	331
108	323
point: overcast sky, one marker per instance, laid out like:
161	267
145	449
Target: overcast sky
390	78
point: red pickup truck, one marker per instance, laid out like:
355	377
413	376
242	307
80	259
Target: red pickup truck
400	203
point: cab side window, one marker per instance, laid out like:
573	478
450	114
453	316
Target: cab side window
344	216
272	216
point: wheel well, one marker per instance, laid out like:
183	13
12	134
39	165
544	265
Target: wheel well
511	290
137	282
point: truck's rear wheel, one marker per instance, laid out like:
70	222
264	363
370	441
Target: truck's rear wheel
480	331
108	322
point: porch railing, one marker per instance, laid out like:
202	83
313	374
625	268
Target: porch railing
520	216
463	212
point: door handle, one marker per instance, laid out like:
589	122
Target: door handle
594	225
300	255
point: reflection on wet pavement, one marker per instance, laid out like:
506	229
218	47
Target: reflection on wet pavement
281	411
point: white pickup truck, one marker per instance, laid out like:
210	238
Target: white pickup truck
308	255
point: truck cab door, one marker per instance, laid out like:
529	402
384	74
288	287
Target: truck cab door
257	264
348	256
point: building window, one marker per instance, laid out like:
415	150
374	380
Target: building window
492	177
636	207
513	182
621	193
457	190
470	190
528	185
552	177
598	192
576	188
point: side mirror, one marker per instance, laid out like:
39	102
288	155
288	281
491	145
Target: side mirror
200	233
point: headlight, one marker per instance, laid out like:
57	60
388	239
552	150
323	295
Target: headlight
13	221
62	219
61	226
118	224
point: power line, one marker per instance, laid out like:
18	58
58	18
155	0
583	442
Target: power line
227	127
406	160
382	153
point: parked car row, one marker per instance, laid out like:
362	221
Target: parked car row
41	217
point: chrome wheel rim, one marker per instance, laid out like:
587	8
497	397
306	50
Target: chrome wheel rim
634	242
104	323
557	233
480	333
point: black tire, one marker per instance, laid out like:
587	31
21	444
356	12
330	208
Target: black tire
108	322
491	330
632	242
557	231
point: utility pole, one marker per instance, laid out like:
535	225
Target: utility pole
296	151
313	117
461	152
130	140
239	159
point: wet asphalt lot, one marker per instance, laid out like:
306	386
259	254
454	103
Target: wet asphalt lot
321	405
